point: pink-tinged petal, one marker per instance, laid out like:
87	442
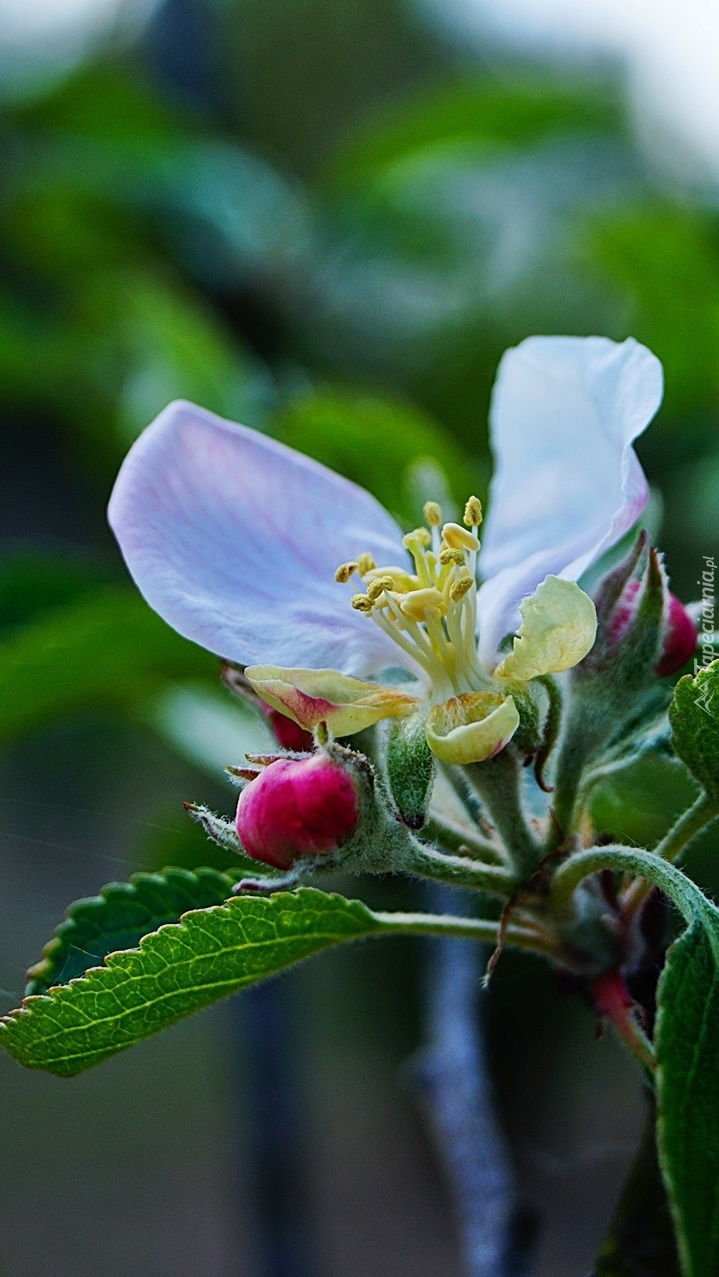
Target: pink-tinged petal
234	539
311	697
567	483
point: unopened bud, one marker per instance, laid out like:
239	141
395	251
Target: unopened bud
680	640
680	637
295	808
287	732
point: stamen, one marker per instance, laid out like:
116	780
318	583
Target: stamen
432	512
344	572
417	604
418	538
447	555
458	589
458	538
473	513
365	563
401	579
378	587
361	603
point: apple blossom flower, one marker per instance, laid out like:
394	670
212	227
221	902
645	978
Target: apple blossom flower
255	551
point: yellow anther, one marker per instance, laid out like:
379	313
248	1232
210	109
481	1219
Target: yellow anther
432	513
458	538
447	555
361	603
422	603
458	589
378	587
417	539
365	563
473	512
401	579
345	571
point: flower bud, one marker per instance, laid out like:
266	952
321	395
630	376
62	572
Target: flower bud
297	807
287	732
680	640
680	636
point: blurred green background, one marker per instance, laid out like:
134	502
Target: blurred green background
326	219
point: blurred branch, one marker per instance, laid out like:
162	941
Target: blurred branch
495	1230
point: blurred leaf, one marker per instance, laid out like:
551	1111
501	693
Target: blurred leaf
165	344
119	916
687	1044
208	727
377	443
665	261
109	648
641	1241
694	717
512	112
179	969
32	581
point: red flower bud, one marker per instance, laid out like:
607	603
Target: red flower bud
297	807
288	733
680	639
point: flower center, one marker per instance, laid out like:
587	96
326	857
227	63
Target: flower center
430	613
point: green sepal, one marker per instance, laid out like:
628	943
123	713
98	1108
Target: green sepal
694	718
528	737
411	769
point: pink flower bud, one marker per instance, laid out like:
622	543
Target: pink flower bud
297	807
680	639
288	733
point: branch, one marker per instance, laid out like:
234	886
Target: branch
453	1076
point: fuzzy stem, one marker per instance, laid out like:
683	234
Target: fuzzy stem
481	929
454	837
689	825
577	747
462	872
498	782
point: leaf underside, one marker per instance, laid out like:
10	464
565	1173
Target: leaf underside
179	969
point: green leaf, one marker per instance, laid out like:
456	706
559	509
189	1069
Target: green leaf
694	716
688	1093
108	648
687	1049
640	1241
181	968
34	581
120	916
508	112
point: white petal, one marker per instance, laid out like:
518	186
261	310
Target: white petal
567	483
234	539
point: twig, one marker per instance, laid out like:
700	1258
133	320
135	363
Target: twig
453	1076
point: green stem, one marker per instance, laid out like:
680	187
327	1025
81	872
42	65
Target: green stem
688	898
425	862
498	782
481	929
455	838
689	825
578	745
